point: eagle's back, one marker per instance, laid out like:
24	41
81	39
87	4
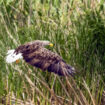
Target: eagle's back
41	58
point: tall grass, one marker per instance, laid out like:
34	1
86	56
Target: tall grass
77	29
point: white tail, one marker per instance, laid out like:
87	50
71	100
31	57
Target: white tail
12	56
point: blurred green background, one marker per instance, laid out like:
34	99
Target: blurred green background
77	30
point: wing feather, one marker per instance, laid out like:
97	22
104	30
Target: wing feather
47	60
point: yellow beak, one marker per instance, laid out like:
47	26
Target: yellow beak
17	61
51	45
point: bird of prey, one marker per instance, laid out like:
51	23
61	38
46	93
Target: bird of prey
37	55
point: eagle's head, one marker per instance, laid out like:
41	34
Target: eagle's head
12	56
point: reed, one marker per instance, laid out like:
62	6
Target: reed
77	29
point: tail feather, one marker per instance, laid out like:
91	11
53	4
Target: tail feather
12	56
61	68
70	70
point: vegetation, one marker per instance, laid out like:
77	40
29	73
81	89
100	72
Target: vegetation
77	29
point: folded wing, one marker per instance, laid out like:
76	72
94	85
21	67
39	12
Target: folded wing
47	60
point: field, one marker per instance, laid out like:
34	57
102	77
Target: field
77	30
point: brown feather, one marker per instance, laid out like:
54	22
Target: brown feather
43	58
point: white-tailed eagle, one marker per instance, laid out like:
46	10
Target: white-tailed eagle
37	55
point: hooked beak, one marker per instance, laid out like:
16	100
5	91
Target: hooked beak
17	61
